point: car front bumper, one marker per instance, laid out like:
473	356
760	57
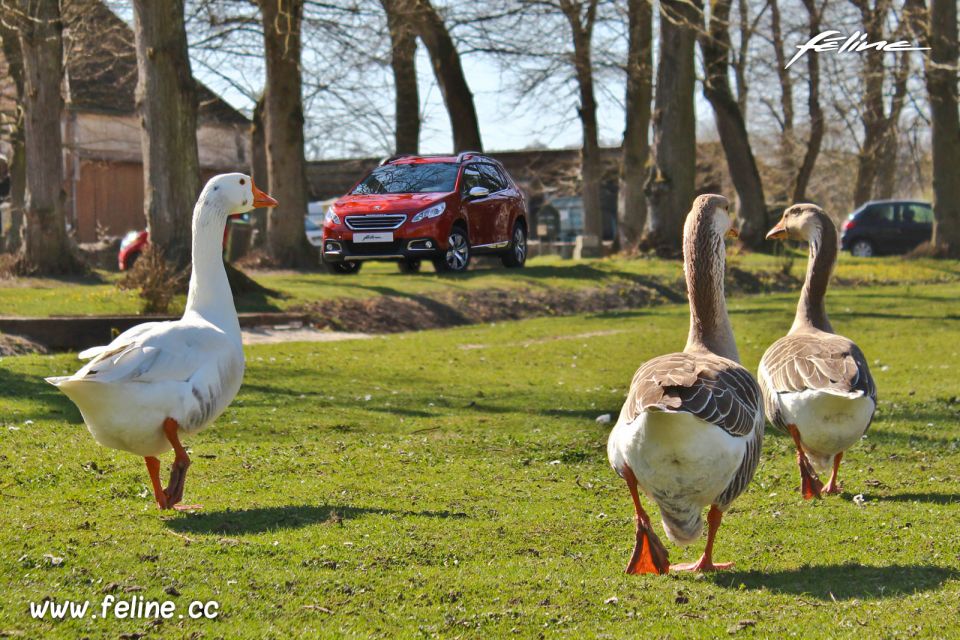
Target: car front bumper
342	250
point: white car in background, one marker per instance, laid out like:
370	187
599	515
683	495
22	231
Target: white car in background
313	221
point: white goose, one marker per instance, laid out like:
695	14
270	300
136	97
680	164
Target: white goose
160	379
690	432
816	384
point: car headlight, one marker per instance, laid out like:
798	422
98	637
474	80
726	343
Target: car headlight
331	216
430	212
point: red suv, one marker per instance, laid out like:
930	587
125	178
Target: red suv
441	208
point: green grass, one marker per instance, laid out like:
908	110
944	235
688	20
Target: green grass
99	295
455	484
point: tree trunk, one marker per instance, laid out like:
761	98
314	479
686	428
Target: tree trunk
941	74
16	163
403	61
258	166
581	27
815	139
631	202
715	45
283	108
671	184
46	248
877	125
449	74
167	104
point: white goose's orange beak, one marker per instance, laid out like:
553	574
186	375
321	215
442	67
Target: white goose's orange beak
779	231
261	199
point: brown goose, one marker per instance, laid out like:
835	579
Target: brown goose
816	384
690	432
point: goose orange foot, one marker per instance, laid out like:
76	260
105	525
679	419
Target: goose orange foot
649	554
706	563
833	486
178	471
810	485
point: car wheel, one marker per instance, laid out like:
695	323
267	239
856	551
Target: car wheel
343	268
457	257
410	266
862	248
516	255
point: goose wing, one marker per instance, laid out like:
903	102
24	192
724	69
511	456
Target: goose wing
167	351
710	387
813	361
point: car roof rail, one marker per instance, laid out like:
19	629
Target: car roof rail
393	157
463	155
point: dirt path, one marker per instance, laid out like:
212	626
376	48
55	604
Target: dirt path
274	335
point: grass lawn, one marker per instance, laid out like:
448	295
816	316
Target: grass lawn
99	295
454	484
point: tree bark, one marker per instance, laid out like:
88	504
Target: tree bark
166	99
283	107
941	76
715	46
449	73
403	62
46	248
671	184
581	26
817	124
631	201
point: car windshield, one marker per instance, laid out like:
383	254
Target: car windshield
432	177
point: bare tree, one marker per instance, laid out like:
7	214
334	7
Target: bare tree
581	16
941	75
403	62
167	102
715	45
879	122
283	110
45	248
631	201
671	184
815	112
449	73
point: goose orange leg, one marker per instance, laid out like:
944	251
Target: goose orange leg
649	554
810	484
706	563
832	485
153	468
178	471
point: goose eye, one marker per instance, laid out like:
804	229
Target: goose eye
244	202
242	181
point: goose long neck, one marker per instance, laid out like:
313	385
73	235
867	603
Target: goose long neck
812	310
703	266
209	295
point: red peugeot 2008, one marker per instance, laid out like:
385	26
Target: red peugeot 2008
439	208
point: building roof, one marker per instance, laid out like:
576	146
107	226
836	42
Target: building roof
101	65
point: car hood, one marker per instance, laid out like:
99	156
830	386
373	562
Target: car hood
386	203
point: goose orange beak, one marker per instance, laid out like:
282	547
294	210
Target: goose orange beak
261	199
733	232
779	231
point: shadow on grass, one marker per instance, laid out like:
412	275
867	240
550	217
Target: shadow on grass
931	497
843	581
259	520
17	386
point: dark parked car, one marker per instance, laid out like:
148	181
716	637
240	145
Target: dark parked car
887	226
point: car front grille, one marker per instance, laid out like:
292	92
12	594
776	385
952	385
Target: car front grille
375	248
376	222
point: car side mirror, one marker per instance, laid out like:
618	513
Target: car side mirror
478	192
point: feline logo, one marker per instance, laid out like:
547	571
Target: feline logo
857	43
